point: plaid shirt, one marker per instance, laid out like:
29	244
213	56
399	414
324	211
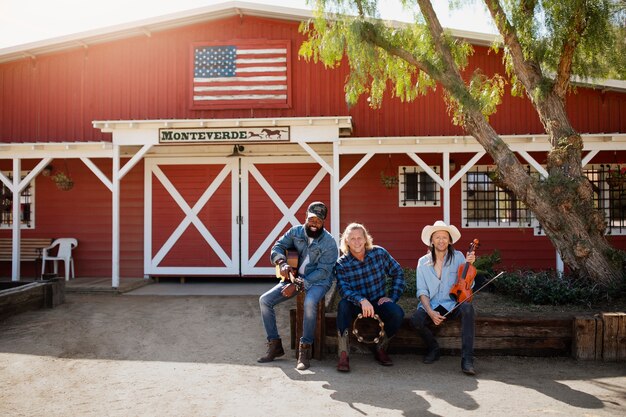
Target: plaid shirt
358	280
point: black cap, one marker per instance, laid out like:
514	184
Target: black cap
317	209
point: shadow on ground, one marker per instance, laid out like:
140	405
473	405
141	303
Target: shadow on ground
197	331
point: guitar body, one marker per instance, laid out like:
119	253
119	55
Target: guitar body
292	261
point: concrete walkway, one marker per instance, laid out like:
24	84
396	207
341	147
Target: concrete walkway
199	286
195	355
215	287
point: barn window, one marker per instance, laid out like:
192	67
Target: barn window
27	198
609	194
417	188
488	203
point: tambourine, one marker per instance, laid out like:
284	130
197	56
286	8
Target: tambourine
362	339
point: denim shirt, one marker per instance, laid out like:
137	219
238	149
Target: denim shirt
438	291
322	251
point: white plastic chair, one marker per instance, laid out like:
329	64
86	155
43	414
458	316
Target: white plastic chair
64	253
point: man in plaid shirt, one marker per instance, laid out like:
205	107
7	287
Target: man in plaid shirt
362	273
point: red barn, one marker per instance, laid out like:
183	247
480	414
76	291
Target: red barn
192	142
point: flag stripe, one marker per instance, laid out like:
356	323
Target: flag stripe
246	97
255	79
241	88
240	74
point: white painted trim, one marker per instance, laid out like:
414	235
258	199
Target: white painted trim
419	161
446	187
307	127
134	160
541	170
16	226
587	159
115	229
461	173
105	180
152	167
335	199
32	174
191	216
5	180
289	213
315	156
354	169
40	150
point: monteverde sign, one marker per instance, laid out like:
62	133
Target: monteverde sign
245	134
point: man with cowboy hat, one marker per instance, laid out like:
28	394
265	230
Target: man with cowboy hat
436	274
317	254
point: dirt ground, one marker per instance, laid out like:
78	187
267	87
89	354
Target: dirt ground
105	355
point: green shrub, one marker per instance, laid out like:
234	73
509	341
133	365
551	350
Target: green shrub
409	278
486	263
548	288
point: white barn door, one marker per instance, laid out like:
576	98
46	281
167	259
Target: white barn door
190	209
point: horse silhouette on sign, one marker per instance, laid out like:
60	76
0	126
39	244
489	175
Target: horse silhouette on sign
273	134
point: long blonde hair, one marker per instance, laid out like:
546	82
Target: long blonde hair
369	241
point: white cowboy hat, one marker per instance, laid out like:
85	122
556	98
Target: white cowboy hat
428	231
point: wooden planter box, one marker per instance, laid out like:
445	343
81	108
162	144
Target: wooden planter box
600	337
495	335
18	297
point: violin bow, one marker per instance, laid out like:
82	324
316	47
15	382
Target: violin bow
474	293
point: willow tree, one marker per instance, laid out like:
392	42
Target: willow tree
544	43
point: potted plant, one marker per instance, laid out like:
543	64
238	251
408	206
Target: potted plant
616	177
389	181
63	182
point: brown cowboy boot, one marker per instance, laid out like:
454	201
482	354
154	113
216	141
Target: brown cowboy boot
274	350
343	348
304	356
381	352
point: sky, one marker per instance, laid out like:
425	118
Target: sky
26	21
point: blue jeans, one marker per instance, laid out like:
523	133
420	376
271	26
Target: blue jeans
273	297
390	313
421	321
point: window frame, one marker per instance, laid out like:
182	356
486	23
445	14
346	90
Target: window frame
526	220
417	202
25	226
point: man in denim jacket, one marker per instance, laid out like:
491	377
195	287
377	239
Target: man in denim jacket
317	254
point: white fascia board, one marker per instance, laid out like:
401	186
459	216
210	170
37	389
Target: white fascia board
108	126
461	144
314	133
56	150
133	137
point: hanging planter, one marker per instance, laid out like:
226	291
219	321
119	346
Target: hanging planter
388	177
62	179
616	178
63	182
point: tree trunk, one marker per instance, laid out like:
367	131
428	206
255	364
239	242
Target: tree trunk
563	204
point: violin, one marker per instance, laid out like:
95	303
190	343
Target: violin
462	289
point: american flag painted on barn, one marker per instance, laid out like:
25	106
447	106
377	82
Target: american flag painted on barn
241	74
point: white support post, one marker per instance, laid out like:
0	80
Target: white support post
16	224
559	264
446	187
334	195
115	250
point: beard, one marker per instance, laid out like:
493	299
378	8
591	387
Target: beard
314	234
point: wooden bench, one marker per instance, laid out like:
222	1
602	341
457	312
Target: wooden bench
495	335
30	249
296	319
